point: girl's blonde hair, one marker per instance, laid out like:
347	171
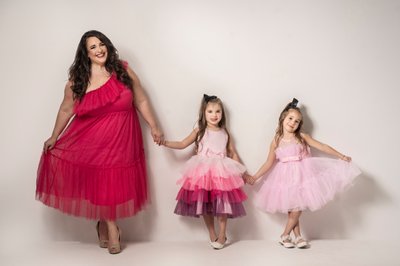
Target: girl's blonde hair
202	123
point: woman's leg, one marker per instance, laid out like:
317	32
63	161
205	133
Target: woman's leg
102	233
114	245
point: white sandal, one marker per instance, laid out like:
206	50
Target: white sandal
300	242
217	245
286	241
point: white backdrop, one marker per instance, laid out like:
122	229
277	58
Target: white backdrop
341	59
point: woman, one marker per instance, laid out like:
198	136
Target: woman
96	167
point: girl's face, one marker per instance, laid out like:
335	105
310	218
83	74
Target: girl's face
292	121
213	114
97	50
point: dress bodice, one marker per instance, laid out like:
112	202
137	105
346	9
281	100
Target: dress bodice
291	151
112	96
213	143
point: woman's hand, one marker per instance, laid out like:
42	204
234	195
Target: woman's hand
49	144
158	135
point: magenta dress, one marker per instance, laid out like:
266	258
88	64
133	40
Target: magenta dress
97	168
211	182
299	182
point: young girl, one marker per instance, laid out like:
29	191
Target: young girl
211	182
299	182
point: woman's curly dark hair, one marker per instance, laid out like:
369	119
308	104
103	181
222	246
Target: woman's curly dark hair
79	72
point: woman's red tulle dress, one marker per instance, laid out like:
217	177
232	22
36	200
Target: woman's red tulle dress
97	168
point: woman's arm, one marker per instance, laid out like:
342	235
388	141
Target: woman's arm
183	143
142	103
324	147
65	112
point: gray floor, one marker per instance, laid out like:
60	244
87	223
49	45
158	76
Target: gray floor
251	253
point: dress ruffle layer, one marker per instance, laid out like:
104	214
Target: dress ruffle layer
105	95
204	196
200	165
215	203
92	192
206	173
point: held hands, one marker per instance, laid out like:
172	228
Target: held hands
158	135
248	179
49	144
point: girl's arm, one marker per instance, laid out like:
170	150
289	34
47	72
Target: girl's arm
234	156
142	103
232	152
65	112
268	163
324	147
183	143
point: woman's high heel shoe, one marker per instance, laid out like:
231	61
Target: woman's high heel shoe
115	248
103	243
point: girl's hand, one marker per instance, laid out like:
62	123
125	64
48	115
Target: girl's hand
49	144
158	135
250	179
247	178
345	158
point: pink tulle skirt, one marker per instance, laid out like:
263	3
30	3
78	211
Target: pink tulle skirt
211	186
306	184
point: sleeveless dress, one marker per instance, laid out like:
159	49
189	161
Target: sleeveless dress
211	182
97	168
299	182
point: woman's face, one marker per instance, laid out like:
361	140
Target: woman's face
97	51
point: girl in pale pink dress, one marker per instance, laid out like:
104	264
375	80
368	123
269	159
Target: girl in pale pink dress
298	181
212	179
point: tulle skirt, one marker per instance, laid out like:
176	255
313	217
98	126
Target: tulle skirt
306	184
211	186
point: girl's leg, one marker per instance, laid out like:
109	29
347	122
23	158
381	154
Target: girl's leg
293	220
299	241
209	221
222	221
296	229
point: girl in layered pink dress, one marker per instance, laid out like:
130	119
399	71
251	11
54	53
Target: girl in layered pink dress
212	179
96	167
298	181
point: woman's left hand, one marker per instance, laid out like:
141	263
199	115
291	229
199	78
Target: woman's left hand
158	135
